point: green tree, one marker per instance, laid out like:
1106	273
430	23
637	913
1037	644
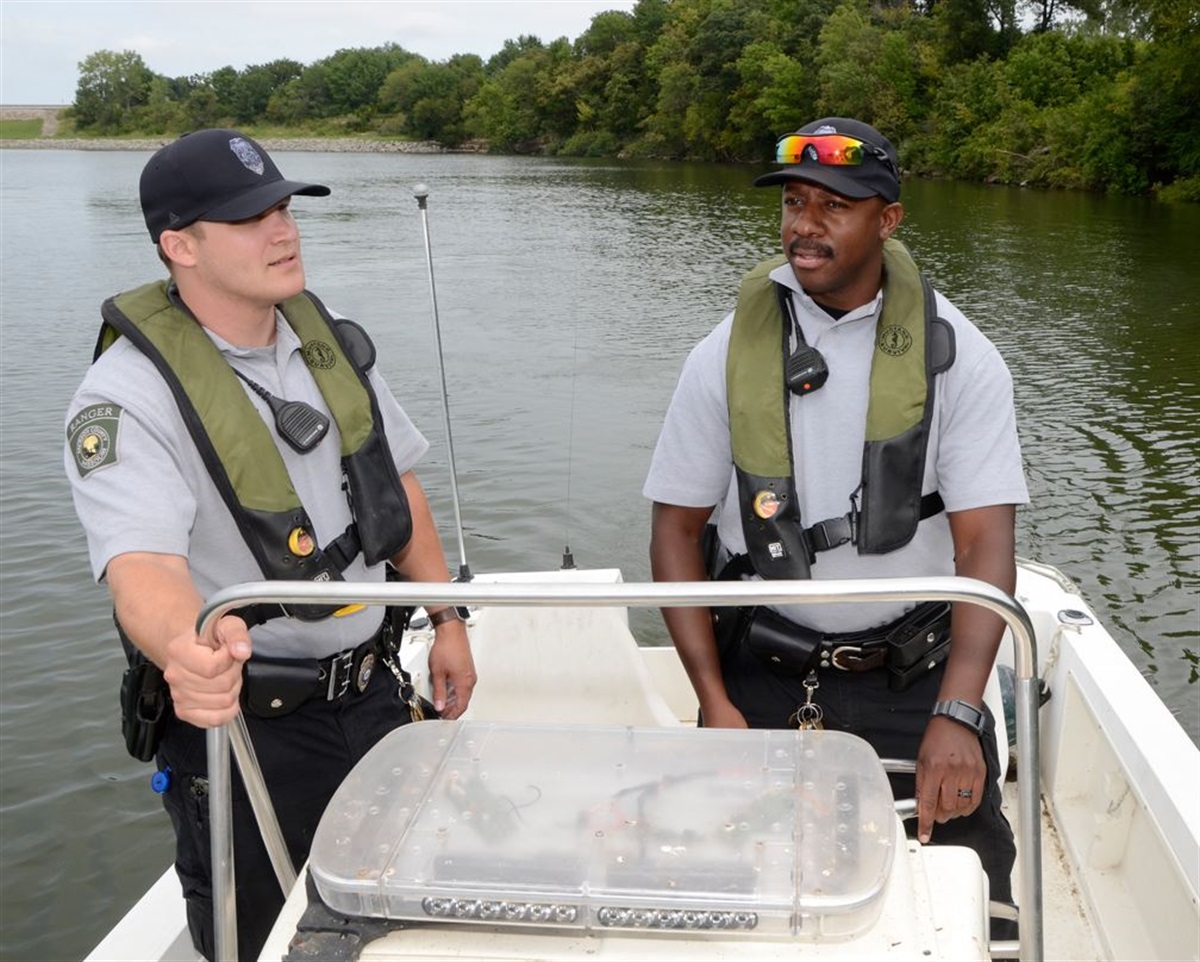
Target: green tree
256	85
605	33
965	31
869	71
607	81
111	86
224	84
353	78
427	98
696	59
1096	94
776	93
301	99
503	112
1056	67
522	106
665	133
971	96
202	108
649	18
162	113
628	92
512	50
1164	115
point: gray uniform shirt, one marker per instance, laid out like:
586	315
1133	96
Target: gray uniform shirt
973	459
150	490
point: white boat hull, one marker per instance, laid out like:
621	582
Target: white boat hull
1120	828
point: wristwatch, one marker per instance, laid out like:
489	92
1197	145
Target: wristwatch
444	615
962	712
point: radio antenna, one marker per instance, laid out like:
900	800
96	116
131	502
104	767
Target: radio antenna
421	193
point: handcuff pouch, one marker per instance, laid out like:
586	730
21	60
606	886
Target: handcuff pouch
918	644
274	687
781	644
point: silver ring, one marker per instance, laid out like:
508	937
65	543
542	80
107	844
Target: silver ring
965	793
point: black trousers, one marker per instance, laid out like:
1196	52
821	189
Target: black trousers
893	724
303	756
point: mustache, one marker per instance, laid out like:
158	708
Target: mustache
809	247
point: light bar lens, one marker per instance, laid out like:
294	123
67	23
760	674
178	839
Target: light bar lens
641	918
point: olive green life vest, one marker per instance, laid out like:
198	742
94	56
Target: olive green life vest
912	345
239	451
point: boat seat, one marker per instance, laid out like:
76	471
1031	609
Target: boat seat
521	655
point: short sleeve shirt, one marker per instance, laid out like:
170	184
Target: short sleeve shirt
140	485
973	458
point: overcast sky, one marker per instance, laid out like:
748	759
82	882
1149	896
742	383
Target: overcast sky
43	41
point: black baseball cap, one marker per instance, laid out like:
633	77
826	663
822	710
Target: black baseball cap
877	173
218	175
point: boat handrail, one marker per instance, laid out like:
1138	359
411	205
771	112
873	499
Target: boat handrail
628	594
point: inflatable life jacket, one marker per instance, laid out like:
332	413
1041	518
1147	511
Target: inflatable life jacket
239	452
911	346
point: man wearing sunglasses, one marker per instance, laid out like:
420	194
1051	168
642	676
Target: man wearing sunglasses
231	429
847	421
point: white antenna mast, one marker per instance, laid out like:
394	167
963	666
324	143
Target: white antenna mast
421	193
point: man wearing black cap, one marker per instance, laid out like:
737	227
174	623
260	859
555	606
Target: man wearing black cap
846	421
231	429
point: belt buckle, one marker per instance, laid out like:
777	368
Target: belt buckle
854	651
340	674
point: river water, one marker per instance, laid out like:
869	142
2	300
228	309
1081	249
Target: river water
569	294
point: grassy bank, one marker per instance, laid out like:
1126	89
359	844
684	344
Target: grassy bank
20	129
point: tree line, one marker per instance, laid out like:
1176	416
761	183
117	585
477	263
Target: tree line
1088	94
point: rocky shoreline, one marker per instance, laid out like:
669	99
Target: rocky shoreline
328	144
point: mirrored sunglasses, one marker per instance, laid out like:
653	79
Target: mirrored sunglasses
835	150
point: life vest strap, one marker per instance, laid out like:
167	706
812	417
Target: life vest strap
827	535
340	552
344	548
835	532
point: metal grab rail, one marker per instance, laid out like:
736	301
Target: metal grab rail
639	595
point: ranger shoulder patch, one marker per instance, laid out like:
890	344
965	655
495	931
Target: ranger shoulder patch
92	436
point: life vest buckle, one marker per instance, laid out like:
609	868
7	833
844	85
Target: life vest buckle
830	533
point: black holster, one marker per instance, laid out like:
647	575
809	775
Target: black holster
145	703
728	621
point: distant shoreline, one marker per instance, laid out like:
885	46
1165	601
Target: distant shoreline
344	145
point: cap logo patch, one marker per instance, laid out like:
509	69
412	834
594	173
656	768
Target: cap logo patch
92	437
824	129
245	152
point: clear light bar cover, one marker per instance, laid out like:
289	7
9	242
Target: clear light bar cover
600	829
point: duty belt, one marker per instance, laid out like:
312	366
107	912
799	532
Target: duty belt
857	651
905	642
272	687
348	669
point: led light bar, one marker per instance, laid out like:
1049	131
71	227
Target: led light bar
697	833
